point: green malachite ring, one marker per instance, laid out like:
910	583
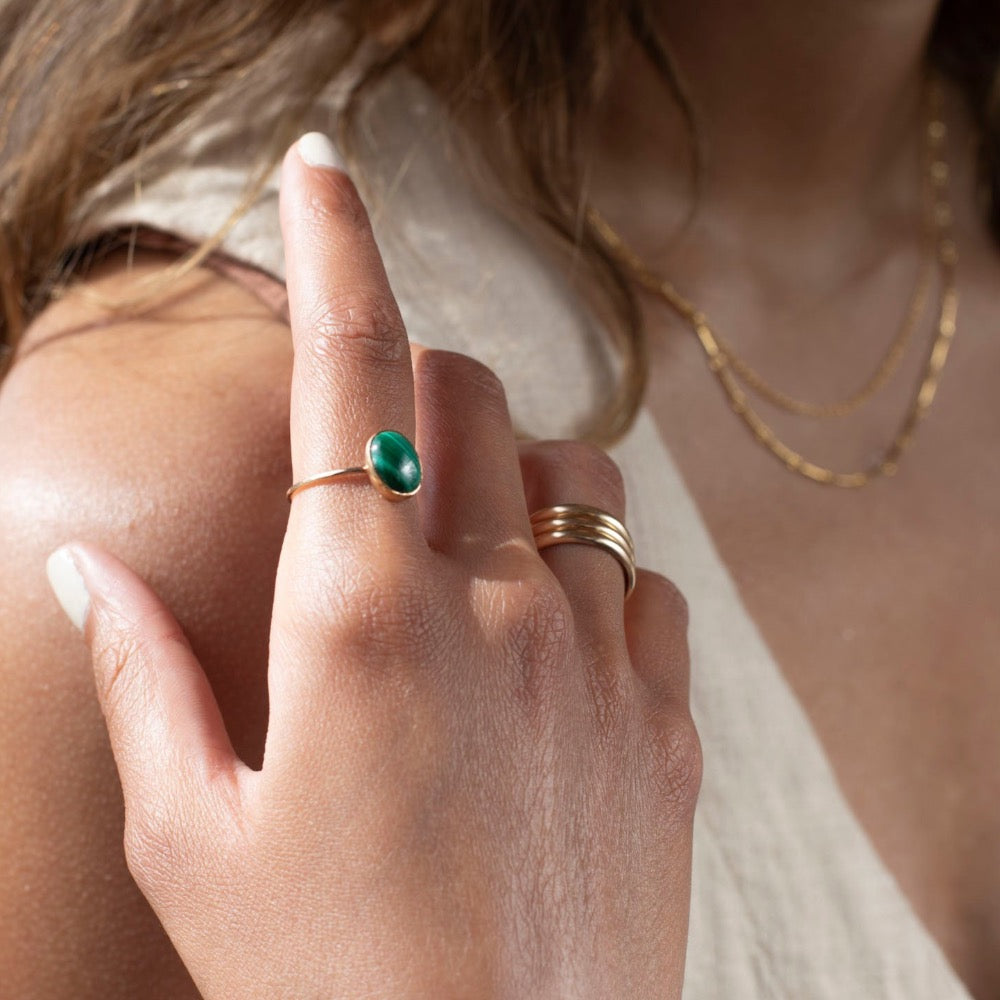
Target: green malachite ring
391	465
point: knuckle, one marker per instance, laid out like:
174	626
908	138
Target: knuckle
667	595
113	658
676	761
611	685
376	613
367	325
395	622
604	472
333	197
537	621
467	374
570	458
120	658
156	844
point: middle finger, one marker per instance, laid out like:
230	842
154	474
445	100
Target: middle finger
473	508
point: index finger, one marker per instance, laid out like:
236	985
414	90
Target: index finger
352	374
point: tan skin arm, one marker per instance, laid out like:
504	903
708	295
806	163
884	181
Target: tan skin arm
135	436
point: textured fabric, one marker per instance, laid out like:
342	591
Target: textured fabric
789	897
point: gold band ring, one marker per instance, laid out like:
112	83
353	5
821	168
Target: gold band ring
391	466
577	522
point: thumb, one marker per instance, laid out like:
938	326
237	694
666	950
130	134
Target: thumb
167	734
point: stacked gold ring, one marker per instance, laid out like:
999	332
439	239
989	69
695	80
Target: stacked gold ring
577	522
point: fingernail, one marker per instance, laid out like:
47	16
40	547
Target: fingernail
317	150
68	586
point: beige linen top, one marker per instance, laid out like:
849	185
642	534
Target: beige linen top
789	897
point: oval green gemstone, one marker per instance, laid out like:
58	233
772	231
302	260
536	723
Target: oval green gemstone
394	460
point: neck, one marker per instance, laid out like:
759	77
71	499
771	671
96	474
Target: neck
805	109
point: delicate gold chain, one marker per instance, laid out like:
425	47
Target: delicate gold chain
897	349
888	366
727	368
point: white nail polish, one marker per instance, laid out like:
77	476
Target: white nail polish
317	150
68	586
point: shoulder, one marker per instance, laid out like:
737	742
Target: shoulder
164	440
96	404
148	430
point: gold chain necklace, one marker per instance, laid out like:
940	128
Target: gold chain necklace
728	369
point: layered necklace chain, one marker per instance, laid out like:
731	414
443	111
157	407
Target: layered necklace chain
738	379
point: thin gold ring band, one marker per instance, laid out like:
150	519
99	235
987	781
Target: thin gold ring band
615	533
325	477
591	532
586	525
601	541
392	466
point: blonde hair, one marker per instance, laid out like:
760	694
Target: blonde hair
84	95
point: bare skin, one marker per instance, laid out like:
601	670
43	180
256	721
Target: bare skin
75	924
892	654
385	845
880	604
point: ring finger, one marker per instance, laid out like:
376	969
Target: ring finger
574	472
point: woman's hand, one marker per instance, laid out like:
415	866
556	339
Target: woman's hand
480	769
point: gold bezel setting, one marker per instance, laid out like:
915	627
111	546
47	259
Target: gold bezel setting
376	479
